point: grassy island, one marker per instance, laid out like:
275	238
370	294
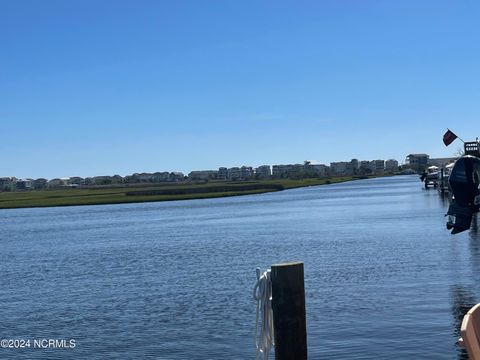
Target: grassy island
152	192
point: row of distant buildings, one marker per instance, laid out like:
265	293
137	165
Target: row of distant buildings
13	184
307	169
293	171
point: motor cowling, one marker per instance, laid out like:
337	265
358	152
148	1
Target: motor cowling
464	182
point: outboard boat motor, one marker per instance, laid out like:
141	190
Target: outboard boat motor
464	182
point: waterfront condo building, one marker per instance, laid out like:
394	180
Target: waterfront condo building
341	168
379	166
263	172
203	175
391	165
417	162
233	173
246	172
222	173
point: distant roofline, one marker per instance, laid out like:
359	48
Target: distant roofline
418	155
445	158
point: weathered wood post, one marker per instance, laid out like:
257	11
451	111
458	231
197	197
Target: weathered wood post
288	304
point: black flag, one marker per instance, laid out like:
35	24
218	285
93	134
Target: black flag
449	137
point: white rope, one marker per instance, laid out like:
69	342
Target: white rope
262	293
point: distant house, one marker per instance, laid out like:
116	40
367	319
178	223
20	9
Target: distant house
24	184
417	162
176	176
297	171
137	178
320	170
341	168
102	180
56	183
281	171
129	179
8	183
40	183
117	179
233	173
278	171
391	165
203	175
222	173
365	168
76	181
246	172
379	166
263	172
288	171
88	181
161	176
144	177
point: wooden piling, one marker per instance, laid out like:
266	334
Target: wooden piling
288	304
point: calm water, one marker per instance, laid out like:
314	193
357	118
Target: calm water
383	277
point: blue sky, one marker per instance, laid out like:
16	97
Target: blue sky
116	87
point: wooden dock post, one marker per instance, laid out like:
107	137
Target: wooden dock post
288	304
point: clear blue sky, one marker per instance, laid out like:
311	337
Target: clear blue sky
116	87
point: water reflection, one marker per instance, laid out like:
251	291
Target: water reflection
463	295
462	300
474	246
444	199
473	233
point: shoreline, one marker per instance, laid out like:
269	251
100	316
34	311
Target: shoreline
156	192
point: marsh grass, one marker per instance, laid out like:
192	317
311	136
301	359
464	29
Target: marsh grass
154	192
